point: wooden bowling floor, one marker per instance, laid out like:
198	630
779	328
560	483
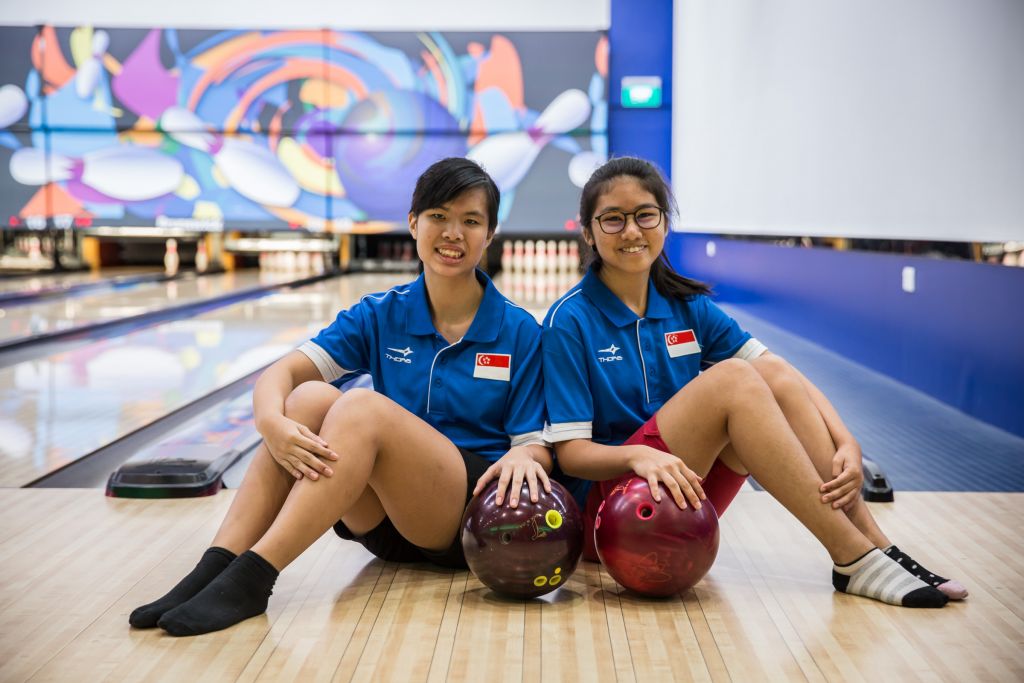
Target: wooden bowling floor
73	564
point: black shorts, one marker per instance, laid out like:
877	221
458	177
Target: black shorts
385	542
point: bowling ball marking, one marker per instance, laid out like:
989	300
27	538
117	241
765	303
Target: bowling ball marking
552	581
553	518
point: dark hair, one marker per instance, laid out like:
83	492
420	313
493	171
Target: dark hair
447	179
667	281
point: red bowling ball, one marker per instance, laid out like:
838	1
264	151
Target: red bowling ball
527	550
655	549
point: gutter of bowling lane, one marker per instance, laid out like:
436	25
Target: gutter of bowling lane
92	469
19	298
37	345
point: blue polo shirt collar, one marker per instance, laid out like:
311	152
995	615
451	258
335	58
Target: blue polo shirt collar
486	324
612	307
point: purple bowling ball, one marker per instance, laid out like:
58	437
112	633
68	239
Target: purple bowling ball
525	551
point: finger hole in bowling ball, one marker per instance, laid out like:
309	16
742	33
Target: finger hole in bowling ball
506	538
644	510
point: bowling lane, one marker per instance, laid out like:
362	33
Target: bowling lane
43	282
55	409
65	313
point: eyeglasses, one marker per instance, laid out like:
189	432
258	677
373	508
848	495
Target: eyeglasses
647	218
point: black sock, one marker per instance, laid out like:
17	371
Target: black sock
875	575
213	562
239	592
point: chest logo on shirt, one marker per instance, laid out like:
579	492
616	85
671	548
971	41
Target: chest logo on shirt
405	353
681	343
493	366
613	354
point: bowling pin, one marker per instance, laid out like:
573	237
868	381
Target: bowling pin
202	257
529	257
13	105
506	257
35	252
122	172
171	257
563	256
250	169
305	262
318	265
517	256
507	157
89	71
574	257
540	250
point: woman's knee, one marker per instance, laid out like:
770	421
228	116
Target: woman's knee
357	411
309	402
737	375
780	376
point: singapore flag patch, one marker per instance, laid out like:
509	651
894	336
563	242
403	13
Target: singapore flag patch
681	343
493	366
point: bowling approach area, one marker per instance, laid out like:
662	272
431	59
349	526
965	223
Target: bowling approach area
75	563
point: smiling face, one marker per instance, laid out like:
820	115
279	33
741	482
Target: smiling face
451	238
632	250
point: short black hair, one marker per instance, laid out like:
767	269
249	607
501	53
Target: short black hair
447	179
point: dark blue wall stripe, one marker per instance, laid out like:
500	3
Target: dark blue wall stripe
959	337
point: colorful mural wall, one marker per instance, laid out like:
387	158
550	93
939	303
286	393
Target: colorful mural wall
320	130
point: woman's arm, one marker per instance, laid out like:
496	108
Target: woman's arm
292	445
588	460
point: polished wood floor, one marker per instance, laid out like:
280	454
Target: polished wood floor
73	564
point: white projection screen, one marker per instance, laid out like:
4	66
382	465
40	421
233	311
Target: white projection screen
855	118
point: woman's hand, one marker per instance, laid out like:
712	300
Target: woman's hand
297	449
848	477
657	466
513	467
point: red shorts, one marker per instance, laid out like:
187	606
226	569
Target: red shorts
720	485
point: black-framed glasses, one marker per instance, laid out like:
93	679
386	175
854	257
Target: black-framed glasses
646	218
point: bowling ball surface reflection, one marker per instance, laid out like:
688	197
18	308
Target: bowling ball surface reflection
525	551
654	549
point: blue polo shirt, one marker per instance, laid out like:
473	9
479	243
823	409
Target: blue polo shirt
607	371
484	392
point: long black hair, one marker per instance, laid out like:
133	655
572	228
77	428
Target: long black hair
666	280
447	179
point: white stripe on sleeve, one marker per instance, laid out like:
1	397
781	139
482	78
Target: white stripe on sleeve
529	439
329	370
566	431
751	350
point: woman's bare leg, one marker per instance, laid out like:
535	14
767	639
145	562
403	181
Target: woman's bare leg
731	404
416	473
266	484
808	424
257	502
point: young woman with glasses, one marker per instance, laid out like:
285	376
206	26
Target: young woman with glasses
646	377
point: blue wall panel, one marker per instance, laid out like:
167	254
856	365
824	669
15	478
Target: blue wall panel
640	40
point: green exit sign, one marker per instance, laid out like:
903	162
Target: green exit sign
641	91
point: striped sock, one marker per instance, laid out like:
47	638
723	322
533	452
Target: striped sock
875	575
952	588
